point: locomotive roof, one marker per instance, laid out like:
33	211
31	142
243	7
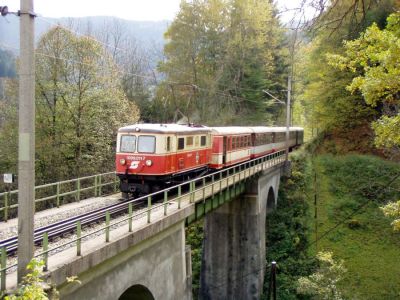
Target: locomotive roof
164	128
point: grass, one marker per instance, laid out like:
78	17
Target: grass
350	190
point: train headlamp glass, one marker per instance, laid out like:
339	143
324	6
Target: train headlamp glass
122	161
149	163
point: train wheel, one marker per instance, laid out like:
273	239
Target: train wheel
125	196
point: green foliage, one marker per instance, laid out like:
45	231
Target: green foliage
31	287
194	237
9	127
392	210
327	105
374	58
287	237
220	55
79	103
323	283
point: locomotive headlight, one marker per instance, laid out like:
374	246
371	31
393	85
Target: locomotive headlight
149	163
122	161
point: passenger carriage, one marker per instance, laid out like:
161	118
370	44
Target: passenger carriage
152	155
230	145
266	140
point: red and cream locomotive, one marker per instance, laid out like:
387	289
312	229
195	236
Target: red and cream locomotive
152	156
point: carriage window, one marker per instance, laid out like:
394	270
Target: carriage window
128	143
203	140
147	144
168	143
189	141
181	143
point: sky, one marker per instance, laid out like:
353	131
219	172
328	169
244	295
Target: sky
141	10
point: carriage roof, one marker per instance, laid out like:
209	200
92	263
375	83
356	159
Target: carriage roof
231	130
265	129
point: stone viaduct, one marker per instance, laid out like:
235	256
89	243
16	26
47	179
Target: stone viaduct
153	262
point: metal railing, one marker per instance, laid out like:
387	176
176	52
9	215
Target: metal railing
61	192
196	190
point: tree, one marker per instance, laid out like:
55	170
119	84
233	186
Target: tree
80	104
7	64
135	62
219	57
322	90
9	128
375	57
323	283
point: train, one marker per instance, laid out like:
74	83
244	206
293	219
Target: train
151	157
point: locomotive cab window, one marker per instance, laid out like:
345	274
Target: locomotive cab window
168	143
203	140
146	144
189	141
128	143
181	143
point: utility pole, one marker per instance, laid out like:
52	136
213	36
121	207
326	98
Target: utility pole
26	143
288	118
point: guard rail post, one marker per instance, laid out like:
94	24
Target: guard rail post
78	190
45	251
148	209
58	194
204	189
192	188
95	185
115	182
212	186
107	226
100	186
7	195
78	238
130	211
165	202
3	266
179	196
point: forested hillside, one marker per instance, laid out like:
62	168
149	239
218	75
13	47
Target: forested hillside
346	75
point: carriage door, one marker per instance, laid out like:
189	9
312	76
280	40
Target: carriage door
169	157
224	149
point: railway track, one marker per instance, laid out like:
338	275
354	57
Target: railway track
69	225
65	226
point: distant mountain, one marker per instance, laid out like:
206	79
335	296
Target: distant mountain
145	32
